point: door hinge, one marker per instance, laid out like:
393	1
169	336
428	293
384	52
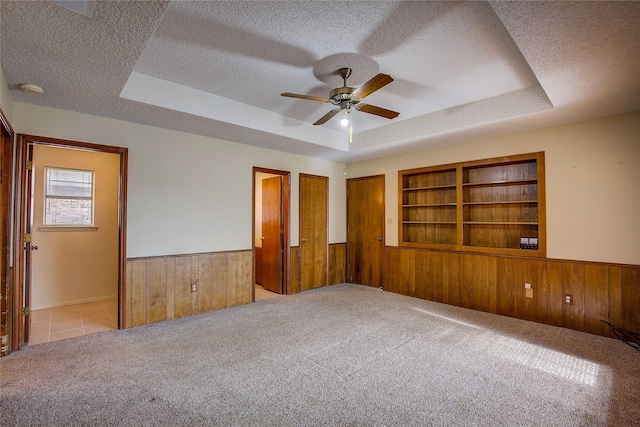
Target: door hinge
25	311
27	238
29	165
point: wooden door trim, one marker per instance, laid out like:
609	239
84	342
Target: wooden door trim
384	237
326	178
19	216
286	190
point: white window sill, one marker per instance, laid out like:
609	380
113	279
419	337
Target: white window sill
67	228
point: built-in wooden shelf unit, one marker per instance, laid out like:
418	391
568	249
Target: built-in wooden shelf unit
491	205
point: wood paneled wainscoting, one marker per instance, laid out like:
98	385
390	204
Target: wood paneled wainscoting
168	287
496	284
337	266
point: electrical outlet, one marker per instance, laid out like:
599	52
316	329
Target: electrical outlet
568	299
194	287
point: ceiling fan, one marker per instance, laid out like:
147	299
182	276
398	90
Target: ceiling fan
346	97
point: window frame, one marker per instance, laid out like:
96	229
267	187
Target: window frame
46	197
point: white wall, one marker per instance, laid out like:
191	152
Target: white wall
187	193
592	183
75	265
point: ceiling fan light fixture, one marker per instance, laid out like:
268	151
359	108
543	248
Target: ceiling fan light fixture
345	119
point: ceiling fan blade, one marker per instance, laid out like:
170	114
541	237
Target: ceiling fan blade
310	98
324	119
372	85
382	112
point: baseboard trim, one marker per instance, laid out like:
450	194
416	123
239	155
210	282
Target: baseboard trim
73	302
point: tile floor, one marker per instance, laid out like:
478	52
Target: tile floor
58	323
262	293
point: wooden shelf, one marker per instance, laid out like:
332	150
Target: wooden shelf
479	223
498	223
495	183
503	202
434	187
430	222
432	205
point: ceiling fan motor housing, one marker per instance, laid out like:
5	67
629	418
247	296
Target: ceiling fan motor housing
336	96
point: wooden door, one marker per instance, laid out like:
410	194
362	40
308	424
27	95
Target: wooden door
272	234
365	231
314	244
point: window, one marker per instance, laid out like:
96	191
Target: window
68	197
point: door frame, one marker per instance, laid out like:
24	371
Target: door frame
20	218
384	226
286	190
7	136
326	266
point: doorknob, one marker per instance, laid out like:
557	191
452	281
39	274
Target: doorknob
379	239
303	239
34	248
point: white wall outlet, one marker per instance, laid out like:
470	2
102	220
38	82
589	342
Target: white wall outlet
194	287
527	285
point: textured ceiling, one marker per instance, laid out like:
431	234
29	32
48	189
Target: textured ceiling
461	70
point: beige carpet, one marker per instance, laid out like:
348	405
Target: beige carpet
346	355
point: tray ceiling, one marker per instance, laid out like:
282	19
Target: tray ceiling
461	70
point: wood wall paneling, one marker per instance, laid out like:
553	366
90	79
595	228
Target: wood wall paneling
156	290
422	281
555	278
160	288
337	263
337	266
294	270
205	283
232	277
481	283
219	280
466	284
182	283
138	292
496	284
530	276
615	297
171	297
518	288
596	298
630	297
504	287
454	278
247	290
541	293
573	284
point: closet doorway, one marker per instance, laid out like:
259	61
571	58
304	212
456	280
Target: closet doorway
271	190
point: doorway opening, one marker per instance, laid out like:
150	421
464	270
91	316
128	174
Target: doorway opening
54	307
270	232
